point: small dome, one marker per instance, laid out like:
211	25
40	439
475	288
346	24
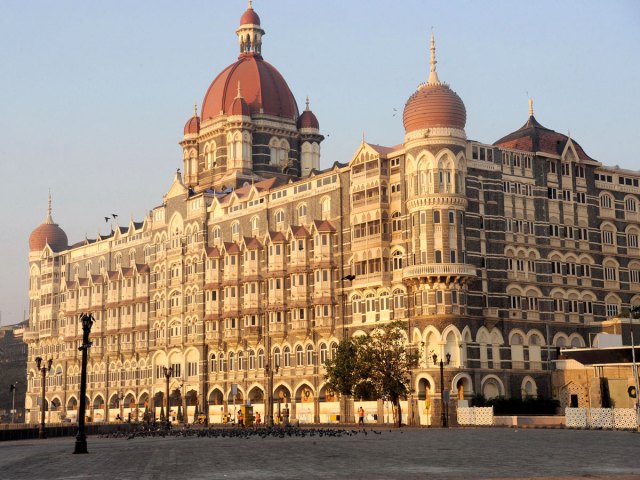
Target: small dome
193	124
250	17
239	106
48	233
308	119
434	105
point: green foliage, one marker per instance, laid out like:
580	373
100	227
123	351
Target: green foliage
343	369
373	366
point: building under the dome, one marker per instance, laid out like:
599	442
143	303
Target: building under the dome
257	262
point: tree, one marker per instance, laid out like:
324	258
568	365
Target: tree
386	364
378	364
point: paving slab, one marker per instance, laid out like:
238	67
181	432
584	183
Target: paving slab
489	453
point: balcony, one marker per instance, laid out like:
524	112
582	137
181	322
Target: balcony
213	336
447	272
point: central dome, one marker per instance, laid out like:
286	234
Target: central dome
263	88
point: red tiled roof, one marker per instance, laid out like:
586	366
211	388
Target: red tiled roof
533	137
324	226
299	231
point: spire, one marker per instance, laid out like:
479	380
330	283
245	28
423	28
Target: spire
250	6
307	108
49	219
531	107
433	74
195	109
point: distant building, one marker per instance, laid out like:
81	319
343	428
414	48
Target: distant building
492	255
13	367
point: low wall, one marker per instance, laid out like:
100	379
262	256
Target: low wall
539	421
27	431
602	418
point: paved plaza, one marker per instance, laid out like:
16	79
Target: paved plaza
406	454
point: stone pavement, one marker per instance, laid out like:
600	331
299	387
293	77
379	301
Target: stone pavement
489	453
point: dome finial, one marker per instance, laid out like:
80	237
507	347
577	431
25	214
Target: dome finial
531	107
250	6
433	74
195	109
307	108
49	219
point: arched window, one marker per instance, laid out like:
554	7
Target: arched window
299	356
279	216
323	353
232	359
254	224
309	355
276	356
212	359
325	208
302	211
397	260
287	356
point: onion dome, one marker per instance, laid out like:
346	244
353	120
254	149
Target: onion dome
250	17
434	104
263	88
308	119
193	124
48	233
239	106
533	137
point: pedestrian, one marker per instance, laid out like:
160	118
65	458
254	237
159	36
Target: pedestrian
361	416
240	419
258	421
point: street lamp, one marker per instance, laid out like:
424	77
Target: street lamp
443	414
43	370
13	409
269	372
168	373
81	438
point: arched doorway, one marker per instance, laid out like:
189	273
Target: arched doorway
281	401
144	413
192	406
158	406
98	409
216	406
424	401
329	406
304	404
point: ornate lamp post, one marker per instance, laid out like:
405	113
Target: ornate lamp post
443	415
635	310
168	373
81	438
43	370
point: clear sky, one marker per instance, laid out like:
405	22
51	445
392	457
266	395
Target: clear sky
94	94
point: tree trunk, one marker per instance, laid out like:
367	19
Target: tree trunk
396	404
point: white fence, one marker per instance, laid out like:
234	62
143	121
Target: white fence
475	416
605	418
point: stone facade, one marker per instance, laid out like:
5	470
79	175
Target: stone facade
248	274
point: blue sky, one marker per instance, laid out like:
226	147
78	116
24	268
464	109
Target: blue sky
94	95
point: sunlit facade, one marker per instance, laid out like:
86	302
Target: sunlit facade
256	261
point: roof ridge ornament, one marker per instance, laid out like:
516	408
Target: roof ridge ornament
239	95
433	74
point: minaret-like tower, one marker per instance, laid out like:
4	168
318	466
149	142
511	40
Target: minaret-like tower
435	142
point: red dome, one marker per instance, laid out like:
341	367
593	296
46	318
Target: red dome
308	120
48	233
250	17
434	105
263	88
239	107
192	126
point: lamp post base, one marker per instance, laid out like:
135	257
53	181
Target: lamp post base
42	434
81	444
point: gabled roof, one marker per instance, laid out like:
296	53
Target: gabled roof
299	231
231	247
277	237
252	243
212	252
533	137
323	226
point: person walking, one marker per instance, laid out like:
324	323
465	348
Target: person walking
361	416
258	420
240	419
